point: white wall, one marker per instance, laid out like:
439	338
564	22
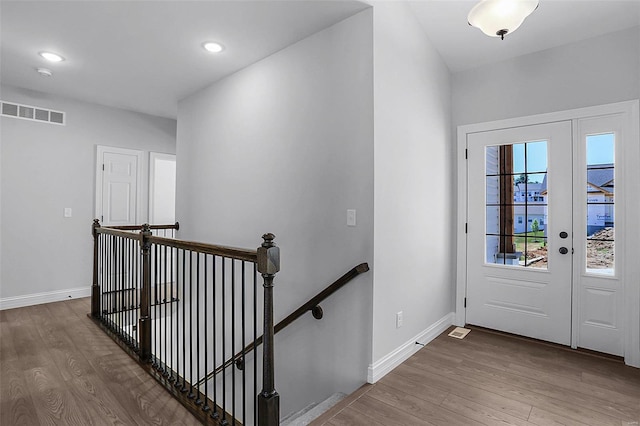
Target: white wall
46	168
285	146
413	194
596	71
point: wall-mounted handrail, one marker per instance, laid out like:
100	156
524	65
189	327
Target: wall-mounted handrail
312	305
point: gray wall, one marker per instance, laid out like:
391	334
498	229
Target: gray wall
285	146
46	168
596	71
413	203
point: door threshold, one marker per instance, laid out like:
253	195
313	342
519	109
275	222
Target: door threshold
588	352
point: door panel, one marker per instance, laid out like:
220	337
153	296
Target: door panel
600	304
520	203
119	188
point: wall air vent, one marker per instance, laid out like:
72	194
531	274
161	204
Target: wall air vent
27	112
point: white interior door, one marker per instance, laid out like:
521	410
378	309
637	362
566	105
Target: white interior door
117	185
519	243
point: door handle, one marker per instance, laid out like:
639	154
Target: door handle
563	235
563	250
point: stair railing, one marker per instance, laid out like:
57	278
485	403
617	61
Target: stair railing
177	305
312	305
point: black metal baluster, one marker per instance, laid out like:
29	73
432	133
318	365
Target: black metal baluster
154	322
214	414
107	304
224	338
127	313
134	295
166	304
206	337
173	315
122	287
191	395
255	337
198	400
184	308
233	339
158	322
112	256
244	343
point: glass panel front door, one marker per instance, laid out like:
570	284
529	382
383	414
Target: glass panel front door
516	204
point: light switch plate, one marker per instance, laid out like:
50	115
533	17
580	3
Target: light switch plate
351	217
67	212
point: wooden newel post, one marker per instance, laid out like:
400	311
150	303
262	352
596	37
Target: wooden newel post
145	296
268	399
95	289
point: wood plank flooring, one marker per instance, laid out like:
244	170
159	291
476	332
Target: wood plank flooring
493	379
58	368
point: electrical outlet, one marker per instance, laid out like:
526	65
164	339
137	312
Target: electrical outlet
399	319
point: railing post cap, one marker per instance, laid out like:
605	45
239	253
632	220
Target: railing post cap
268	240
268	256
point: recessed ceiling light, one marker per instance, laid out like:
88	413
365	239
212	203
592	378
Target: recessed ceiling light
52	57
44	72
213	47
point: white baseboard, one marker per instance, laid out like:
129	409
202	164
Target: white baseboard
48	297
380	368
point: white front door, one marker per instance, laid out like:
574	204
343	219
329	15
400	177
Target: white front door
117	186
540	245
520	201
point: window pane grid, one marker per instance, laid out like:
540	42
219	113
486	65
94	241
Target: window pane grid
516	204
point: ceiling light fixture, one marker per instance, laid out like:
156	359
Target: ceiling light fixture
51	57
496	18
213	47
45	72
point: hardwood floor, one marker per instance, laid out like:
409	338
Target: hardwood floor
493	379
58	368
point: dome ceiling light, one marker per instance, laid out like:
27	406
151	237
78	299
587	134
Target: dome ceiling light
52	57
496	18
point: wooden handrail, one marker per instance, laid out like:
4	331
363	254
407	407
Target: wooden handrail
175	226
118	233
311	305
231	252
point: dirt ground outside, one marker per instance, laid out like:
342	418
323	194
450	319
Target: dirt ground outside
600	254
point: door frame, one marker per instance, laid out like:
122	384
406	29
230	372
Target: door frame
153	156
630	276
100	150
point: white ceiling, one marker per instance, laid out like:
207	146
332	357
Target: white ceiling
146	55
554	23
